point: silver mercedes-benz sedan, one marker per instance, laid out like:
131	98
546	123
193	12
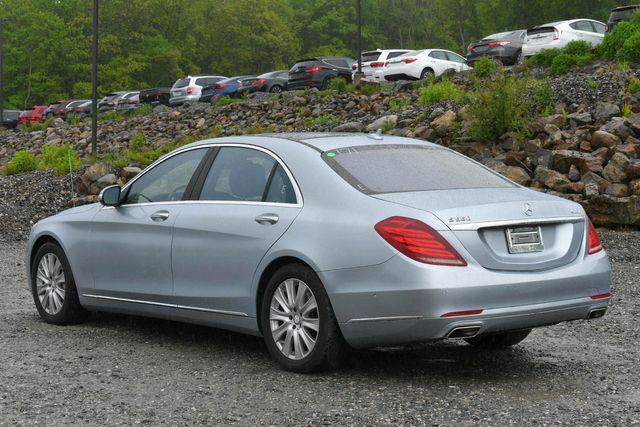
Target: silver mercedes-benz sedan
318	242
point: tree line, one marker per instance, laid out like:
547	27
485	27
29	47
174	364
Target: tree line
146	43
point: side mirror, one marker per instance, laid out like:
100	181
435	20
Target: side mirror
110	196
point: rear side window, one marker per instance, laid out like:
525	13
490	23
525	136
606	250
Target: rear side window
582	26
238	174
438	54
376	169
337	62
455	58
598	27
395	54
280	189
182	83
370	56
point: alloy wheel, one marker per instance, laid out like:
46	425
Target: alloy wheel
294	319
50	284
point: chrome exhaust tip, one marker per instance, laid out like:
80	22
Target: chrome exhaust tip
596	313
464	332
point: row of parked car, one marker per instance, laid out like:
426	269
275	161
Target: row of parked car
508	48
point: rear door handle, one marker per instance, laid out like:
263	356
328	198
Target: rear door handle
268	218
160	216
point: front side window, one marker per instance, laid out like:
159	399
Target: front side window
167	181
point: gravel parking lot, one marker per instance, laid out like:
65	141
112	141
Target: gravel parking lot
126	370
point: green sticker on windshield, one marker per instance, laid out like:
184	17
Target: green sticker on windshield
331	154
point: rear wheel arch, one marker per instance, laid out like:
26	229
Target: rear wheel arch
266	275
426	71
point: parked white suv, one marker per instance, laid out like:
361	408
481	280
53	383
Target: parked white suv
373	63
559	34
422	64
189	89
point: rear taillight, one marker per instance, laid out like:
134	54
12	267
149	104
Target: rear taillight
220	86
595	245
418	241
259	82
158	93
114	102
556	34
499	43
601	296
354	67
377	64
462	313
191	89
313	70
409	60
471	47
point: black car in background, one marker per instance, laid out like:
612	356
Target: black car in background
503	47
156	95
318	71
619	14
110	101
226	87
274	82
10	119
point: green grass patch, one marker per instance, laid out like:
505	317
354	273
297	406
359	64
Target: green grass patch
62	159
22	161
325	119
443	90
484	67
340	85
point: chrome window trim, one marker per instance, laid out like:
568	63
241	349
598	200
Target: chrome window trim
514	222
296	188
163	304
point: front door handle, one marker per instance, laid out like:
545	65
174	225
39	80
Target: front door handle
160	216
268	218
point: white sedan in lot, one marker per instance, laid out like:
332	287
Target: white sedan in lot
560	34
423	64
373	63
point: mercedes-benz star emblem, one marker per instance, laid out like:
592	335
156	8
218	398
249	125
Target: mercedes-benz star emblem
528	211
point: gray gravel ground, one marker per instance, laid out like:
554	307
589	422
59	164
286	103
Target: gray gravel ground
126	370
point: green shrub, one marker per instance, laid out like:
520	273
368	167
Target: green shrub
40	126
484	67
224	100
341	85
138	142
62	159
578	48
615	40
630	50
443	90
369	88
542	97
544	58
627	110
398	104
634	85
498	107
593	84
326	119
22	161
563	63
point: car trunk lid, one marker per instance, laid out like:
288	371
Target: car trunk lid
505	229
542	35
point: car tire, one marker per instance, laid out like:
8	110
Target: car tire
280	327
275	89
427	74
325	83
57	302
500	340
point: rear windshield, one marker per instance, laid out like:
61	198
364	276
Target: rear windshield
182	83
375	169
622	14
370	56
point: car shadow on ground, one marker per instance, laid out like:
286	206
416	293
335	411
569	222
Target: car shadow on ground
443	359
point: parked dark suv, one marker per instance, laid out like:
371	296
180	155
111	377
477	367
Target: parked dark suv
503	47
619	14
317	72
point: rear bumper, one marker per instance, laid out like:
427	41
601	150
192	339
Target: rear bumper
506	55
385	332
179	100
302	84
401	301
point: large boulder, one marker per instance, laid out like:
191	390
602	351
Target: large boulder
616	169
552	179
389	121
580	119
602	138
605	110
96	171
350	127
610	210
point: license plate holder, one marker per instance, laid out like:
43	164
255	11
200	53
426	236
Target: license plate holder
522	240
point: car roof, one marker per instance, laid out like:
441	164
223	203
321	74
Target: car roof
634	6
319	141
272	73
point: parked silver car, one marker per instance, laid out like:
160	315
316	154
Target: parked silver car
189	89
320	241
